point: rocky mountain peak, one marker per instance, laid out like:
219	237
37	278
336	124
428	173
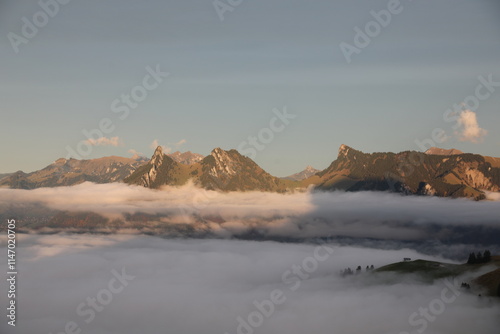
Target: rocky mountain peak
224	163
344	150
308	172
159	151
158	167
217	151
442	151
348	152
157	157
186	158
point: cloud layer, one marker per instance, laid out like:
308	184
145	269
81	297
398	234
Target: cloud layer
204	286
190	211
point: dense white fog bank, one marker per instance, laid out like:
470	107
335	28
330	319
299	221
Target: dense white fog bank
492	196
121	284
118	198
197	212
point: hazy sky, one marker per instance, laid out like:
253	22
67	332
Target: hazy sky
226	76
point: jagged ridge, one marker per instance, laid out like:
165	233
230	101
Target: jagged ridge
65	172
221	170
459	175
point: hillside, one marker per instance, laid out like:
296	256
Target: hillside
490	281
5	175
429	271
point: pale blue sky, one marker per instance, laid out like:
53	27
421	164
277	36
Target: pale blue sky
227	76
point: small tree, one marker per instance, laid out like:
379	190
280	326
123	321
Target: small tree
479	257
346	272
472	258
487	256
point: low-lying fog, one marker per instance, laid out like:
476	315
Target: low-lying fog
128	283
120	284
255	215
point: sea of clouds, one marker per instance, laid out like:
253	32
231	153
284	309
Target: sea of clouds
222	284
186	286
265	215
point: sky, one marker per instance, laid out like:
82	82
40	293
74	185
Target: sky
233	68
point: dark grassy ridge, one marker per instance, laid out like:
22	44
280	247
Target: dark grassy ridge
429	271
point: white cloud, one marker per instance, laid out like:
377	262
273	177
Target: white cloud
469	129
180	142
156	143
493	196
104	141
135	154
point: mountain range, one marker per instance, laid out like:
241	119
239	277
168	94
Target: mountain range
221	170
70	172
67	172
438	172
410	172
